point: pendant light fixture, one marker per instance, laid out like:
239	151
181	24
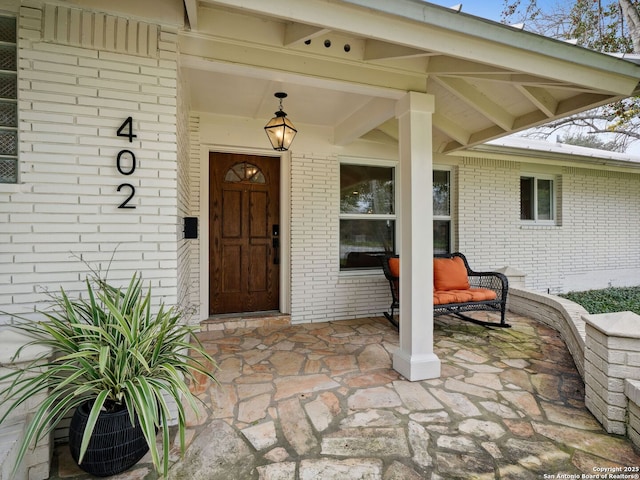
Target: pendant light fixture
279	129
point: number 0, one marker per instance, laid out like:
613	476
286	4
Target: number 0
133	162
126	129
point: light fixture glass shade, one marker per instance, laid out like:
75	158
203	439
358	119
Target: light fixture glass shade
280	131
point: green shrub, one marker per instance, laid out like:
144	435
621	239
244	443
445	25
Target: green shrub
607	300
114	350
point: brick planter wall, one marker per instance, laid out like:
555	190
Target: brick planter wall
612	356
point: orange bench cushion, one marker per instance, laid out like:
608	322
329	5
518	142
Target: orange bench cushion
463	296
450	274
394	266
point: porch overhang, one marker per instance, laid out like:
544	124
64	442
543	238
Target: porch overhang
488	79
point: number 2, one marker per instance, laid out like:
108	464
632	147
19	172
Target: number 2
133	192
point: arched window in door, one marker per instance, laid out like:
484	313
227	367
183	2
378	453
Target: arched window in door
244	172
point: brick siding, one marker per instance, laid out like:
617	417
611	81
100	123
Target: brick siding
318	291
64	211
595	244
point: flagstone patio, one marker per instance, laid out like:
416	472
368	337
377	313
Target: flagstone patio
321	401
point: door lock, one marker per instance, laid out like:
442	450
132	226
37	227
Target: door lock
275	242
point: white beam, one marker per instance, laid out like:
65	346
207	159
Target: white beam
541	98
300	33
478	101
201	63
376	50
443	65
370	116
191	6
451	128
572	105
522	79
390	129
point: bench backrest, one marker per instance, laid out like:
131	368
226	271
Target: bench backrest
450	272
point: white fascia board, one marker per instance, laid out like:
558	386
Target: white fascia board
463	36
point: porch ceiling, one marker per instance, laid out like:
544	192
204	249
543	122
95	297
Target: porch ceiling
344	63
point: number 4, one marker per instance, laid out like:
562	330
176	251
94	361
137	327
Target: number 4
126	129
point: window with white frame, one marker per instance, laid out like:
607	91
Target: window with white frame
441	211
367	214
537	199
8	100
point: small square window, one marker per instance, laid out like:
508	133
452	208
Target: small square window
537	199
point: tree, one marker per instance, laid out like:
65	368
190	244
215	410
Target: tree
606	26
589	141
630	13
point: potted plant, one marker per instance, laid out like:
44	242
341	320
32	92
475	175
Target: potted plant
113	355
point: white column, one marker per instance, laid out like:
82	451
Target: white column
415	359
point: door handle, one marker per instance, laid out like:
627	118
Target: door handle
276	244
276	251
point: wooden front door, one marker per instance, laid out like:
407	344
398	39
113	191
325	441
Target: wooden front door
244	233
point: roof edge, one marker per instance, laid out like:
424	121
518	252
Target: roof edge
471	25
540	149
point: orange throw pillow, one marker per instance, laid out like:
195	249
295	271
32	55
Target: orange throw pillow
394	266
450	274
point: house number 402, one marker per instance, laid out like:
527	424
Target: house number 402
126	162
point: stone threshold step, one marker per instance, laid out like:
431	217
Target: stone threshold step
245	320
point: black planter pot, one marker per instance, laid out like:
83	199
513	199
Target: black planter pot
115	445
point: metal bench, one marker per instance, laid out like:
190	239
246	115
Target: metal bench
486	291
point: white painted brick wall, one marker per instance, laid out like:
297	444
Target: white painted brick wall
597	243
188	205
72	101
319	291
64	211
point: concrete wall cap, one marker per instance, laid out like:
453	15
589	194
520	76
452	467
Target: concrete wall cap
632	390
618	324
511	272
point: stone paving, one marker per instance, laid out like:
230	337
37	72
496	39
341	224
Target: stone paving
321	401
